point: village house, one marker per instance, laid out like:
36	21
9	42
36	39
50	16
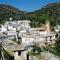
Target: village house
14	51
27	34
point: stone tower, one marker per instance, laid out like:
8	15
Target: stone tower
47	26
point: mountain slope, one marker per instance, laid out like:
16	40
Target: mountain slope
7	11
49	12
50	8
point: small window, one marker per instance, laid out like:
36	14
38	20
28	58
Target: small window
50	37
46	43
19	53
50	40
21	22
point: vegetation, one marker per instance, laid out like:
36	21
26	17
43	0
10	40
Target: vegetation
7	11
49	12
57	46
19	40
54	49
14	39
8	52
36	50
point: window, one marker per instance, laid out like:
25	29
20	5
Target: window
21	22
46	43
19	53
50	37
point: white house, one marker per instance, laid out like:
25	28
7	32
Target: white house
3	29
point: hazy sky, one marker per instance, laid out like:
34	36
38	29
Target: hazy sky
28	5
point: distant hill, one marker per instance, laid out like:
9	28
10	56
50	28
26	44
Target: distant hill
7	11
49	12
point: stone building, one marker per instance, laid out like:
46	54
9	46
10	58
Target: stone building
15	51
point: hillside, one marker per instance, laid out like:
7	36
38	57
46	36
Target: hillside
49	12
7	11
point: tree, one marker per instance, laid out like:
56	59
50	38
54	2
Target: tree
19	40
57	44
